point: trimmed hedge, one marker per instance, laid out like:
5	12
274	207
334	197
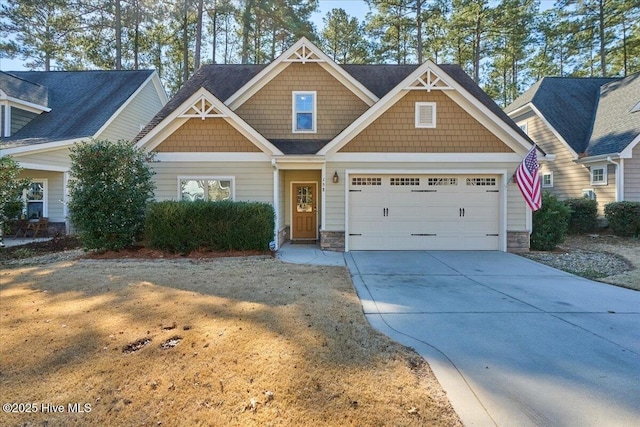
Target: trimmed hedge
183	227
623	218
550	223
584	215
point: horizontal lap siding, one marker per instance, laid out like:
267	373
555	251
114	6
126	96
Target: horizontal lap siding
58	158
606	193
456	130
134	116
253	180
55	191
632	176
569	178
335	193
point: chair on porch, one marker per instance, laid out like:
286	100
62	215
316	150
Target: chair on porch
37	226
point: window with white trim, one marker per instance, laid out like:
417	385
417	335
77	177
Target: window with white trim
212	189
35	199
523	126
425	114
547	179
599	175
304	112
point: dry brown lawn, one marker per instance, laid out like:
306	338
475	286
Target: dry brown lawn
236	341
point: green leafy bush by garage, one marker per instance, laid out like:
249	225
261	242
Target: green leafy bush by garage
110	189
584	215
550	223
623	218
182	227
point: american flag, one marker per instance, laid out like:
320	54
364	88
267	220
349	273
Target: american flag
528	180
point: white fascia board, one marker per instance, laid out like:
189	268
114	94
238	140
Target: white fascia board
488	158
158	134
157	84
627	152
24	105
279	64
597	159
41	167
299	162
38	148
211	157
520	110
123	106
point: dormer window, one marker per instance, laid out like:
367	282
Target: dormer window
304	112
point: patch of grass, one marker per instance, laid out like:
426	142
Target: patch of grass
30	250
261	343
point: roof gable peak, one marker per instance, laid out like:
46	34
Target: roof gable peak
303	51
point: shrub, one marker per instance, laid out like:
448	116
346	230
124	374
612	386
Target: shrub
550	223
623	218
186	226
10	190
110	190
584	215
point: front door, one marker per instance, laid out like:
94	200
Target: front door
305	211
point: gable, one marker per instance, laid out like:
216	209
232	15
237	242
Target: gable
269	110
456	131
208	135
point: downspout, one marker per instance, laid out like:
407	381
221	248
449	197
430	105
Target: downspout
619	183
276	204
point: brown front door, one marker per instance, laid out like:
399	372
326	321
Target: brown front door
305	211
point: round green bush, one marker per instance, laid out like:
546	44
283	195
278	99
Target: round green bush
623	218
550	223
584	215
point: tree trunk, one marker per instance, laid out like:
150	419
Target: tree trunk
419	26
246	28
603	61
118	25
185	43
136	36
196	56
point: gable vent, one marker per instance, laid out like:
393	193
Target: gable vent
425	114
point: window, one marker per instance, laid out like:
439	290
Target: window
214	189
547	180
35	198
524	127
304	112
425	114
599	175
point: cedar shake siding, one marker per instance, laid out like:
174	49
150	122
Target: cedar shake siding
269	111
456	130
209	135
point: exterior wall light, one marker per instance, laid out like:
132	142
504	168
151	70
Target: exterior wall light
336	178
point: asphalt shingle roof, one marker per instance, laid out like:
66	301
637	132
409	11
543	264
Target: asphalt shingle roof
616	124
223	80
568	104
24	90
81	102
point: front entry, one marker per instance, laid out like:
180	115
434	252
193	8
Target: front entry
305	211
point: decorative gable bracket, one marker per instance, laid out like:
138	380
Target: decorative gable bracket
428	81
303	55
202	108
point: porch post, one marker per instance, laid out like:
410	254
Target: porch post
276	203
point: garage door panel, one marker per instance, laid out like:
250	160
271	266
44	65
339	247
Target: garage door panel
424	213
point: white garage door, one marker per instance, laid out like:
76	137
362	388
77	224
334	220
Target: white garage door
424	212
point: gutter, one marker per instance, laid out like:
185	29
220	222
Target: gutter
619	182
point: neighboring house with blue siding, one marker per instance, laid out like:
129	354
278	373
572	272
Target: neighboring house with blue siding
44	113
592	125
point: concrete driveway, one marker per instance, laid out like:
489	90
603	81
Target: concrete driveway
513	342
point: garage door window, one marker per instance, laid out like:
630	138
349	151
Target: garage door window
366	181
405	181
442	181
481	181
